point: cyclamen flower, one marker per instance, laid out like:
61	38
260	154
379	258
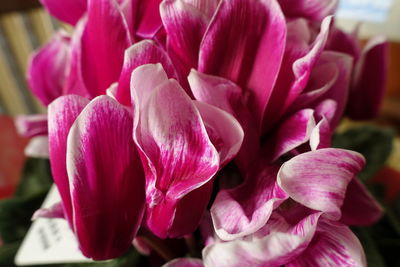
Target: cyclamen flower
260	83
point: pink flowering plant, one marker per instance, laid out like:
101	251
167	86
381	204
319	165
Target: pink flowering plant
209	121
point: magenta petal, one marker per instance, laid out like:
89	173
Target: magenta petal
104	41
333	245
106	179
245	209
293	132
359	207
55	211
146	17
184	262
319	179
256	33
223	129
370	77
141	53
185	26
298	62
313	10
31	125
274	245
47	68
62	114
69	11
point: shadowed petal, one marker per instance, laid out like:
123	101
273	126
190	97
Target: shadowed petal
314	10
370	77
318	179
47	68
31	125
106	179
184	262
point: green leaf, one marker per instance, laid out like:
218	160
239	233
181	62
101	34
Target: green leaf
374	257
7	253
374	143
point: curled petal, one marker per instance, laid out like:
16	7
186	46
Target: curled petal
245	209
333	245
62	114
47	68
369	82
104	40
319	179
55	211
144	52
256	33
106	179
275	245
69	11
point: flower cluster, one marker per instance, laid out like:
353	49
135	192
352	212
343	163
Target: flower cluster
212	115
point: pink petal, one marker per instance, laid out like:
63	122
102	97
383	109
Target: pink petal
360	207
184	262
275	245
333	245
141	246
224	130
318	179
321	135
293	132
245	209
104	41
174	141
31	125
146	17
301	60
185	26
69	11
62	114
55	211
47	68
106	179
141	53
369	82
256	33
226	95
313	10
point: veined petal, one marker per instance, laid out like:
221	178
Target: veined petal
370	77
333	245
106	179
184	262
104	40
47	68
319	179
245	209
226	95
360	207
185	26
256	33
275	245
141	53
301	60
293	132
313	10
223	129
62	114
69	11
